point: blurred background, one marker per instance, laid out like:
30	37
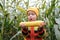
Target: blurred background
12	12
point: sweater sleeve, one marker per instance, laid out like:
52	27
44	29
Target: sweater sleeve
25	31
41	31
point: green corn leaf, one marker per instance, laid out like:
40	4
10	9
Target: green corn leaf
21	9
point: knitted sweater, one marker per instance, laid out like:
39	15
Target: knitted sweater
33	33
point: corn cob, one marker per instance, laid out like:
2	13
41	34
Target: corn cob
32	23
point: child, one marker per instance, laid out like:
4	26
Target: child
38	31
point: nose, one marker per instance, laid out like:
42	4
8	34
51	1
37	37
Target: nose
30	16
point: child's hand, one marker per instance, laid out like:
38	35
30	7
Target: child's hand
42	24
22	25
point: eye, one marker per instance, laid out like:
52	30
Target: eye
32	14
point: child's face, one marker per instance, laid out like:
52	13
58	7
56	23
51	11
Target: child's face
31	16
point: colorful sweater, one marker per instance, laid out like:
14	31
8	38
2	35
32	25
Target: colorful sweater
33	33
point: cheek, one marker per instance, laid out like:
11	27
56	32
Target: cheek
28	17
34	17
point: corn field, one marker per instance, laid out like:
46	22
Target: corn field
12	12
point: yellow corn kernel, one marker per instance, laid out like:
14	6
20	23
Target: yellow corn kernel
32	23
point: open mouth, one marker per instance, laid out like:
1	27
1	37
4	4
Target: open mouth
30	19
